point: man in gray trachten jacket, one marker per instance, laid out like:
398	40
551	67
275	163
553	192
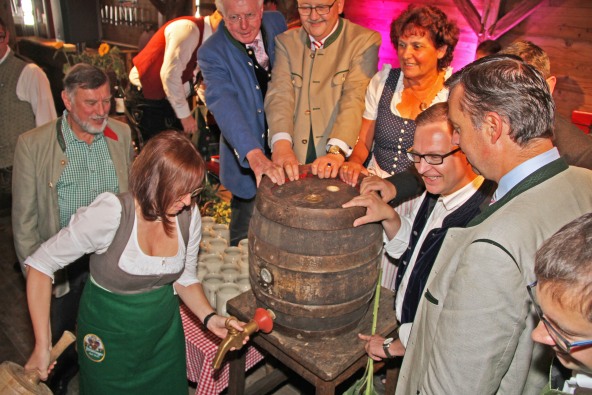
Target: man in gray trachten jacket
471	333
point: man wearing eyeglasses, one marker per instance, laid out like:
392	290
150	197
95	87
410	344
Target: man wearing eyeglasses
471	332
236	64
563	301
316	96
454	195
25	102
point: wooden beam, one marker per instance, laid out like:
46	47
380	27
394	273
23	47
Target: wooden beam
490	16
514	17
471	14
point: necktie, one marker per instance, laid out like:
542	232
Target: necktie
260	54
317	45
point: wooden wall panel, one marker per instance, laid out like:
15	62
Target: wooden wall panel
563	28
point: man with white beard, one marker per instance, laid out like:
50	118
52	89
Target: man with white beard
58	168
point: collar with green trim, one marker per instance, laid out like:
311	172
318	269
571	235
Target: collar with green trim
329	40
539	176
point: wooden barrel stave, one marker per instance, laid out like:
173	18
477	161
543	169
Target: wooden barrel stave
306	260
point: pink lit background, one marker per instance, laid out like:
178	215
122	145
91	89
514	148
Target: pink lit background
378	15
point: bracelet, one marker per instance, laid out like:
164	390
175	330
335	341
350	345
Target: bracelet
207	318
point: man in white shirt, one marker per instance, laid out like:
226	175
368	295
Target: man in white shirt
563	301
163	75
26	102
454	195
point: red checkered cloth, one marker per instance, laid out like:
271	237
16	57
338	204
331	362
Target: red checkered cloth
201	346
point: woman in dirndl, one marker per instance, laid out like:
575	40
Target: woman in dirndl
425	39
144	247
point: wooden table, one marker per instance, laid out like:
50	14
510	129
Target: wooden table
323	362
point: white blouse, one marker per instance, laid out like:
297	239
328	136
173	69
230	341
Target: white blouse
92	229
376	86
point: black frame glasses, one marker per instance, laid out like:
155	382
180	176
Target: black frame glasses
562	343
322	9
431	159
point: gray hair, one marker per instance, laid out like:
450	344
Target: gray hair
85	76
220	5
507	85
563	265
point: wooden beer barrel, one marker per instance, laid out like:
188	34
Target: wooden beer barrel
307	263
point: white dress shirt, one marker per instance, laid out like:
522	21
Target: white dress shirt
373	95
395	247
181	36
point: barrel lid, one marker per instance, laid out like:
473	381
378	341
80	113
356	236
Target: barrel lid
309	202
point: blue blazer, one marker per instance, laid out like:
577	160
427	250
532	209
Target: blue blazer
234	97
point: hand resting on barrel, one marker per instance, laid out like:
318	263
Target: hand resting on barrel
374	183
376	211
327	166
262	166
284	156
350	171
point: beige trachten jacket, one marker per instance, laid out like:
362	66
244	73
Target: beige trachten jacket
325	89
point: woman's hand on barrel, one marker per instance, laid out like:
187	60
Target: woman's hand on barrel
350	171
39	362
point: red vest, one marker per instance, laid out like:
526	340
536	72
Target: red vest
149	61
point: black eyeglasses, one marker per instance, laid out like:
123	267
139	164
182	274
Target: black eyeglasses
431	159
322	9
561	342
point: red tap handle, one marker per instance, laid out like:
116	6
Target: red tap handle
264	319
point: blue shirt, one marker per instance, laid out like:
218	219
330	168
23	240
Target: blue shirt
523	170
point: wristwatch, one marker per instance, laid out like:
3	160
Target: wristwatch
385	347
336	150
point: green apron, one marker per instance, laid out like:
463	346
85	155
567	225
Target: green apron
131	344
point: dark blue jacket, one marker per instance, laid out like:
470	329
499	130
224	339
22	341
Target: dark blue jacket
234	97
